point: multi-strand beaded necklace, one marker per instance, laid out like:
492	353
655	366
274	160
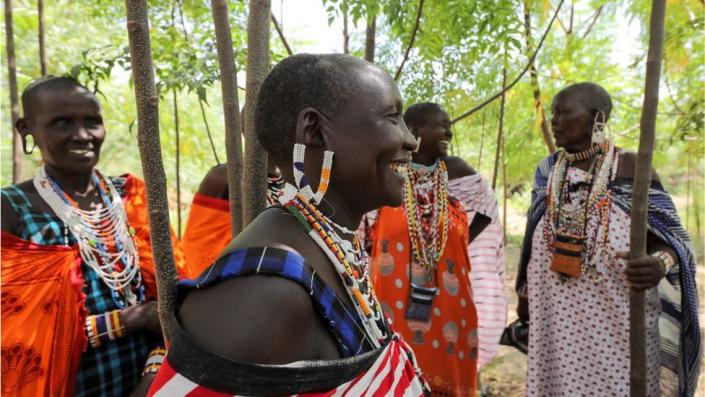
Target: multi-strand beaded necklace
104	237
597	206
426	208
349	259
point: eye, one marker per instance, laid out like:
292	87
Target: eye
61	123
394	117
94	122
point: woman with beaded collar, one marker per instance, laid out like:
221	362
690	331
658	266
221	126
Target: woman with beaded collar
78	288
421	259
575	274
300	315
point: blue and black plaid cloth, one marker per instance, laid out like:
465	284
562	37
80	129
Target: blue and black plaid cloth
114	368
342	319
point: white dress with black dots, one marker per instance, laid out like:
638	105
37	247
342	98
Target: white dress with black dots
579	328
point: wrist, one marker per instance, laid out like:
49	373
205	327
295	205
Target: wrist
103	328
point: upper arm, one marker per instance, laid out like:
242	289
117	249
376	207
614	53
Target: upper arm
627	166
253	319
215	183
8	215
458	168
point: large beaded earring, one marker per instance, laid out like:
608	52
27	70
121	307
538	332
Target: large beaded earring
300	174
599	125
24	144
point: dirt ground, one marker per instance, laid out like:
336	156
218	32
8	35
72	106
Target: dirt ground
506	374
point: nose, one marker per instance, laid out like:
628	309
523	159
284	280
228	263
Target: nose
82	135
409	141
554	120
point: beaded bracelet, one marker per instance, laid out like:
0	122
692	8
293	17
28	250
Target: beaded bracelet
154	361
104	327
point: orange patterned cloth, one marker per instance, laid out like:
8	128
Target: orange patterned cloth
43	312
446	346
207	233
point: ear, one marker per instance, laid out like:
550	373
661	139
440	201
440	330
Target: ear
311	127
22	126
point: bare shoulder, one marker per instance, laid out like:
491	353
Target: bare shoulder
252	319
458	168
215	183
627	166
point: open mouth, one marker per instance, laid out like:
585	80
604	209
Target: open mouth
400	167
81	152
444	145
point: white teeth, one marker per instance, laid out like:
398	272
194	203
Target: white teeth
400	168
79	151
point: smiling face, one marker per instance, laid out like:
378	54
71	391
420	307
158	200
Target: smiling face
435	133
67	127
371	142
571	122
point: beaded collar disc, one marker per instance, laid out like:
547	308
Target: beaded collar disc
103	234
350	261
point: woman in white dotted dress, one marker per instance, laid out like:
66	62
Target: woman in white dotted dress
574	275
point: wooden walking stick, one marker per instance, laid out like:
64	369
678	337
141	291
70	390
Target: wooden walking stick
640	197
151	156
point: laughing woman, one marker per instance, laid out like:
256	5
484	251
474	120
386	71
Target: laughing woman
450	310
77	266
576	278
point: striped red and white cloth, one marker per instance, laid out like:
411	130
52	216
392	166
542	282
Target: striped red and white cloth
393	373
486	253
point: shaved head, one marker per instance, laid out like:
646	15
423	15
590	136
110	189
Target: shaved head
50	84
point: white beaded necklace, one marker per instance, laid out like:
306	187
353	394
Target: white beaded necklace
94	229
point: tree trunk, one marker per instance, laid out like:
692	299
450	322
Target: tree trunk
228	83
346	30
177	154
14	102
147	101
254	181
538	104
642	180
42	49
370	33
500	131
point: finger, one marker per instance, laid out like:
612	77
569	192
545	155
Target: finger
643	263
642	286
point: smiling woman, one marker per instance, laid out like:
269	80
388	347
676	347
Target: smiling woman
77	263
421	259
304	317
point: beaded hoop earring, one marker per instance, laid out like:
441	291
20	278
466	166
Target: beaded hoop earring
24	145
300	174
599	125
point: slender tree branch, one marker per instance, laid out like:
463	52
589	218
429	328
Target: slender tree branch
523	72
208	131
281	35
411	42
572	16
42	49
592	22
500	131
670	92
